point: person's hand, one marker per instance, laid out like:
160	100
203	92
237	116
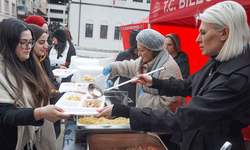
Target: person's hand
55	76
64	65
143	79
141	91
51	112
105	112
110	84
107	70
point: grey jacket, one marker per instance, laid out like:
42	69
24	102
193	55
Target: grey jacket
130	68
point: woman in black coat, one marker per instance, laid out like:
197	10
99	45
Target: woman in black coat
219	107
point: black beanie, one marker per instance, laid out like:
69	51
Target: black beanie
37	31
60	35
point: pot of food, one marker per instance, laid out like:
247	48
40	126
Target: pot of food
136	141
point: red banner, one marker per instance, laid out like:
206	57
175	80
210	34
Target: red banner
140	25
181	12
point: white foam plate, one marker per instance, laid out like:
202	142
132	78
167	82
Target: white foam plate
63	73
69	87
76	107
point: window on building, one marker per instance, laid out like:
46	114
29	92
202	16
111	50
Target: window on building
148	1
117	35
104	32
56	19
140	1
13	9
56	11
89	30
58	2
6	6
23	2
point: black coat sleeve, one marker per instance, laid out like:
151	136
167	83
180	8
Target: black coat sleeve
9	115
173	87
224	103
71	52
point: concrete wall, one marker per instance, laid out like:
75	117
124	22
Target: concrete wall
100	12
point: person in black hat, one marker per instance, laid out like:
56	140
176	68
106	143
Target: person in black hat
60	52
131	53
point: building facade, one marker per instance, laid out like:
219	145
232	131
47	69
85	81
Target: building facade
95	24
8	9
57	11
26	8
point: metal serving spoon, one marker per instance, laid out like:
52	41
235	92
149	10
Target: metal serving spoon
96	91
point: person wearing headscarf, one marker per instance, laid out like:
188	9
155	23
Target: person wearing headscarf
131	53
173	46
38	20
40	52
60	53
39	48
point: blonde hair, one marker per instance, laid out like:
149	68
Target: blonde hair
232	15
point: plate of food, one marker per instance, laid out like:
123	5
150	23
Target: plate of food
63	73
88	78
80	104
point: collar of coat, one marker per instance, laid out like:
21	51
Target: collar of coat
230	66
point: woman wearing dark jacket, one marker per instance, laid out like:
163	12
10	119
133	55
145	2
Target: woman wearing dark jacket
219	107
173	46
131	53
60	53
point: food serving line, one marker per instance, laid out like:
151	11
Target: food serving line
95	137
79	101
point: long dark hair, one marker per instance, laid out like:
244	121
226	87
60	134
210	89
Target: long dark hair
27	71
60	47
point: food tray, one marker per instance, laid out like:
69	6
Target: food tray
63	73
123	141
69	87
76	107
100	127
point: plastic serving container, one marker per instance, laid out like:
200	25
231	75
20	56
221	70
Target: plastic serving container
79	107
63	73
69	87
92	71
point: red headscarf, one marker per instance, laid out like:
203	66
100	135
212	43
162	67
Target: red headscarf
34	19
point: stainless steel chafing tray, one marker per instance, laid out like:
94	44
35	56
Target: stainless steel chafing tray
123	141
111	97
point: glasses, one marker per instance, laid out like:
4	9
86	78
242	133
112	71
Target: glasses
26	44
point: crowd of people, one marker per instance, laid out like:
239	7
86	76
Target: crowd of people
218	109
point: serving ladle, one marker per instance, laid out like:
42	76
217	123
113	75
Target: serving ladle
96	91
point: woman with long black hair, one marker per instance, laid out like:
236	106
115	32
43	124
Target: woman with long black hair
26	119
